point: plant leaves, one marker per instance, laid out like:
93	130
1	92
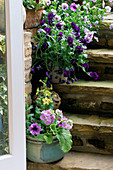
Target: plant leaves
48	138
40	137
65	139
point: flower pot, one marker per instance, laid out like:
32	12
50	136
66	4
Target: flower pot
33	17
56	78
42	152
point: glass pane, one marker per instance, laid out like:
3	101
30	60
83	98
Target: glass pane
3	84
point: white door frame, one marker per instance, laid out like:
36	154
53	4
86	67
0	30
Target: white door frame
16	159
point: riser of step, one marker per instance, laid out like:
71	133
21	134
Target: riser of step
77	161
101	61
105	40
85	97
105	35
92	133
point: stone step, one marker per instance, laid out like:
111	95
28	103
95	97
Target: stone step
105	35
101	61
92	133
87	97
77	161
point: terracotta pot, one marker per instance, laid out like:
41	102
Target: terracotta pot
42	152
33	17
56	78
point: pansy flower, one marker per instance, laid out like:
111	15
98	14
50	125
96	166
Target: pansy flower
50	16
73	7
47	30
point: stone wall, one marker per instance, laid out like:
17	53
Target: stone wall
28	64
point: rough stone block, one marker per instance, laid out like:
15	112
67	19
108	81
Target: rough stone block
77	161
110	42
27	37
92	133
86	97
28	76
28	62
28	99
28	88
28	50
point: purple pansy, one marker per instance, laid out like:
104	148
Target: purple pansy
63	81
74	62
60	35
77	29
33	70
86	66
94	75
44	46
78	50
73	7
111	26
48	2
34	129
34	47
50	16
84	41
43	21
64	6
59	26
66	73
89	36
68	82
47	30
39	68
73	25
70	41
57	17
77	35
73	80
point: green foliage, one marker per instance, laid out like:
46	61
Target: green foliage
65	138
2	44
3	99
31	4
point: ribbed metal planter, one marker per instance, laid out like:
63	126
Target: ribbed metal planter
42	152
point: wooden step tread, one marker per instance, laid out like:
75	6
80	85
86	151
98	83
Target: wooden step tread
91	120
92	133
100	55
77	161
89	87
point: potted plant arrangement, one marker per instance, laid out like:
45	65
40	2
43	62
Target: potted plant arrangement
48	130
34	9
62	38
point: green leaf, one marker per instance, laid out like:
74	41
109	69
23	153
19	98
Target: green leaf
48	138
40	137
53	128
65	139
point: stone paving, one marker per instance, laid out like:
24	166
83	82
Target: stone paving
77	161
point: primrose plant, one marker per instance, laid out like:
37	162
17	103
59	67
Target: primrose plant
45	123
